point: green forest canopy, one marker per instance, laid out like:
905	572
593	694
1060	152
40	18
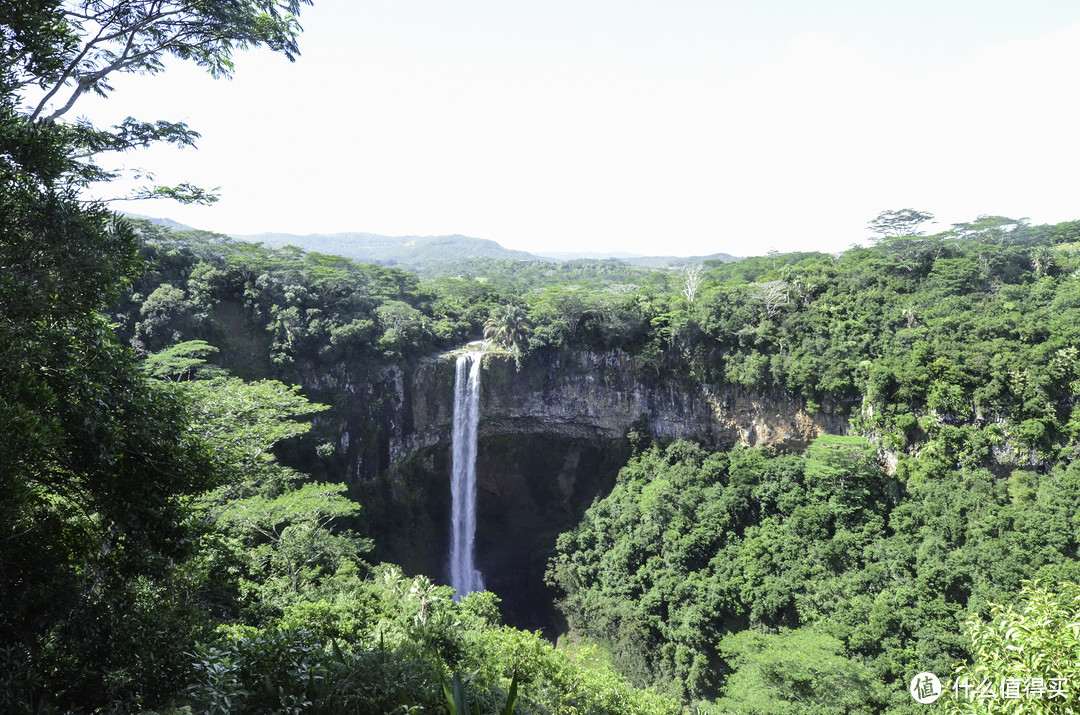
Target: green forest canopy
956	351
158	555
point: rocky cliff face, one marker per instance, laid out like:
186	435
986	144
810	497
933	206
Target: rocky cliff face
595	396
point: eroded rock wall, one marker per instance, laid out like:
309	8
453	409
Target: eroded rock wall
589	395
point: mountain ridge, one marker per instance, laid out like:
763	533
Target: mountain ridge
419	251
393	250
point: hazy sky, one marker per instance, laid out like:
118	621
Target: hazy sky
682	126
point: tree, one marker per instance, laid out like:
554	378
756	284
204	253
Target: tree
405	328
1035	639
508	326
167	316
295	526
97	470
896	224
771	296
104	38
283	527
1042	260
558	314
1001	230
241	422
795	671
691	283
912	253
71	48
182	362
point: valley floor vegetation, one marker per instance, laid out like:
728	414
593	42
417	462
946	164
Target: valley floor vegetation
176	528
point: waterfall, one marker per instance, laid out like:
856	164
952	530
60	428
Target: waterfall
463	574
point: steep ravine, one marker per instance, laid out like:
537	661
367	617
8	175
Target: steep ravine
552	437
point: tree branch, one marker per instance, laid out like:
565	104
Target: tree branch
64	77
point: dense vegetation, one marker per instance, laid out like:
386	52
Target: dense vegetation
701	567
954	353
158	554
702	573
155	554
963	339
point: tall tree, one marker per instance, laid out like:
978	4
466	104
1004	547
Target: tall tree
691	283
97	468
895	224
993	229
508	326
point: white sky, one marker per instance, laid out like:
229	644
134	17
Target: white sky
674	127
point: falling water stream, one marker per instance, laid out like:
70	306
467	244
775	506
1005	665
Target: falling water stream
464	576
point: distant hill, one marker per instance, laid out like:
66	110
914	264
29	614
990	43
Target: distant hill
679	261
597	255
413	251
166	222
436	252
636	259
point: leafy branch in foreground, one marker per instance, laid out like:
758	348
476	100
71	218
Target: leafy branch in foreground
1028	649
241	422
57	52
105	38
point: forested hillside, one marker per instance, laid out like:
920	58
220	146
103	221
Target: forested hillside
155	556
952	355
197	496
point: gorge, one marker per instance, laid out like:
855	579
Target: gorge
551	434
766	510
238	479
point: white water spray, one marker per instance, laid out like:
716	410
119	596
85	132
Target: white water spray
464	576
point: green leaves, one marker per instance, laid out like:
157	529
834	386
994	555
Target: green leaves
794	671
96	476
60	51
304	509
243	421
1036	638
136	37
904	222
508	327
290	535
286	528
181	361
100	470
457	702
836	581
457	699
183	193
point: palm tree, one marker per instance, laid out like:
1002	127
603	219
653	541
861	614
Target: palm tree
1042	260
508	326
